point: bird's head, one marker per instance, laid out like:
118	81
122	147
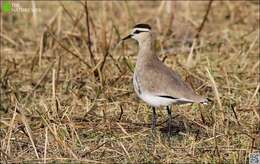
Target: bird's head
140	32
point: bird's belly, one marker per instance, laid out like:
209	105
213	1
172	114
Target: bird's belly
156	101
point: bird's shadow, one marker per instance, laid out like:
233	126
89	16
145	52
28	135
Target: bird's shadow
181	125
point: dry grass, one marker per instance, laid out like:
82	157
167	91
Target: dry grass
66	90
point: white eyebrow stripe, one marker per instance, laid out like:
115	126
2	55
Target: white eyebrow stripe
142	29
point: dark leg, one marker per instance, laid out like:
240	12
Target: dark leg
169	120
154	120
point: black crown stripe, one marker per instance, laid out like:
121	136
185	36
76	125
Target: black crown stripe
143	26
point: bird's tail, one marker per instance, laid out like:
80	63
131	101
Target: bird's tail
205	101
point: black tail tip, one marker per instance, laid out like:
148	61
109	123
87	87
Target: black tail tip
206	101
209	100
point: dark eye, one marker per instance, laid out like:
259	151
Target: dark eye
137	31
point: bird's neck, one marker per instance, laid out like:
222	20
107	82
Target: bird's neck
146	52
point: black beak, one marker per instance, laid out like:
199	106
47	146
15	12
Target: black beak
127	37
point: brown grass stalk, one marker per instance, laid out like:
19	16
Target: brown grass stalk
216	93
204	19
89	42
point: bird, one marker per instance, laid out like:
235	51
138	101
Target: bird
154	82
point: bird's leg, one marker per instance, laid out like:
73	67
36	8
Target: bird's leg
169	120
154	120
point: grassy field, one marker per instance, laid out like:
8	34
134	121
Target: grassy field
67	93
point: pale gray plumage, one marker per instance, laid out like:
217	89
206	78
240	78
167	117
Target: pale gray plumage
159	79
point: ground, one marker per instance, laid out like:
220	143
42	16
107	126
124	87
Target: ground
67	93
